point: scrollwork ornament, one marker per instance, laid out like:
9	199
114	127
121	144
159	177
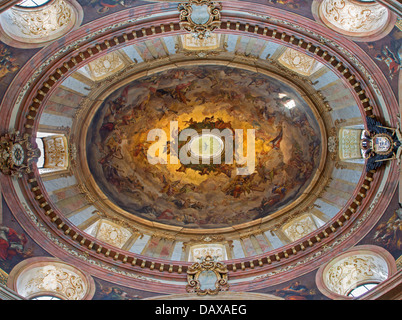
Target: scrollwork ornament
17	154
353	16
352	270
200	17
200	274
380	144
55	279
42	23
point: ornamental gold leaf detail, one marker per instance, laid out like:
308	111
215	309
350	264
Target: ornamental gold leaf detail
112	234
55	279
349	144
354	17
105	66
299	227
200	17
56	152
298	61
42	23
207	277
347	273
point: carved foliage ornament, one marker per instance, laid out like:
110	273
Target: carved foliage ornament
112	234
207	277
16	154
200	17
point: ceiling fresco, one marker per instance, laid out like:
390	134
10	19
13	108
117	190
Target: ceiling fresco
209	195
154	179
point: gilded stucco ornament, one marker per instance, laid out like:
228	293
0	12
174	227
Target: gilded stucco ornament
352	16
380	144
350	271
105	66
56	152
349	143
200	17
17	154
42	23
299	62
207	277
57	280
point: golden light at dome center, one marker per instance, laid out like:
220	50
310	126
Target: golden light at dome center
206	146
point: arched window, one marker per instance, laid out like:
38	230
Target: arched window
32	3
45	297
355	271
361	289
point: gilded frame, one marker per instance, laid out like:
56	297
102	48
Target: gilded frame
208	264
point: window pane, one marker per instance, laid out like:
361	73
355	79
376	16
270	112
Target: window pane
32	3
45	298
362	289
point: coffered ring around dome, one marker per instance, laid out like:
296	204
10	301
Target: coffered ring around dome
42	197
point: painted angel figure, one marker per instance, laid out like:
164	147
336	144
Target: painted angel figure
107	4
12	243
392	58
7	62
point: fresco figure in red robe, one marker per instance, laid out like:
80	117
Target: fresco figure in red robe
11	243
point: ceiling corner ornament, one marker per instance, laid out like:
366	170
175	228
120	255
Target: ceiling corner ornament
207	277
17	154
200	17
380	144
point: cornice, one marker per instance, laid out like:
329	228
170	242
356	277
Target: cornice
6	4
391	289
8	294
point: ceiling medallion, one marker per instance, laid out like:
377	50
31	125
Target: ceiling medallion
380	144
16	154
200	17
207	277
